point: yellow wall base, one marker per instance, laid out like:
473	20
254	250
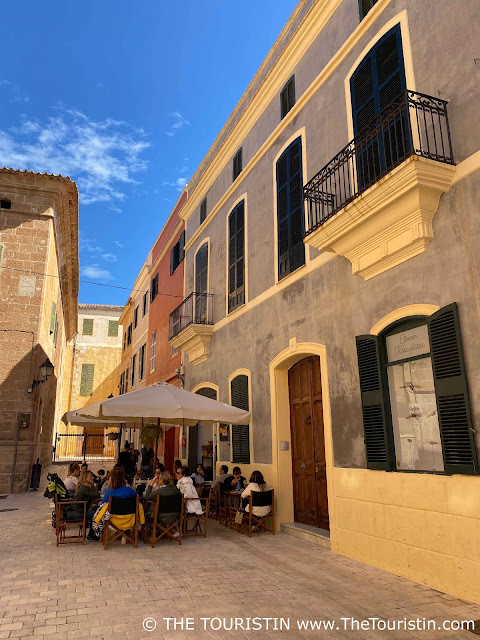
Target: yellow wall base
420	526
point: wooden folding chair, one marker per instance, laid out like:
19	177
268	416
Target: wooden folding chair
62	522
121	507
222	504
164	504
196	518
259	523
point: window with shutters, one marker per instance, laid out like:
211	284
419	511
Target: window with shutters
203	211
86	382
290	212
133	369
415	402
87	329
237	164
240	433
121	384
364	7
154	288
124	340
177	253
53	317
236	257
135	318
287	97
145	303
153	351
201	284
112	328
377	81
55	331
127	379
129	334
141	362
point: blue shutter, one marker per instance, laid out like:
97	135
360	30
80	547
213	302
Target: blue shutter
290	212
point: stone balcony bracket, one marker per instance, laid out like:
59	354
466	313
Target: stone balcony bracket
194	340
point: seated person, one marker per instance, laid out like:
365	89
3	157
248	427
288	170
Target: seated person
257	483
102	478
117	486
235	483
198	476
162	484
84	468
222	476
176	465
86	492
71	481
185	485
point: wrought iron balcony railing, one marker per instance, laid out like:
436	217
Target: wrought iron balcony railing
195	309
413	124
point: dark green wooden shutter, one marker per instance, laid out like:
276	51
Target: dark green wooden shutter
181	247
87	327
365	6
237	164
454	417
201	269
172	260
112	328
207	392
236	257
290	212
377	442
55	333
86	383
287	97
203	211
53	316
240	433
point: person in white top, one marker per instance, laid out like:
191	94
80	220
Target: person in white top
71	480
198	476
185	485
257	483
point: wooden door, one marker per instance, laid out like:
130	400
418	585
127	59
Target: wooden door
308	443
94	441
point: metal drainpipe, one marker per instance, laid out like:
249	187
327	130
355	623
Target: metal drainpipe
30	378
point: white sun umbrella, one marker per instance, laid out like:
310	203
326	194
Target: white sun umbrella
166	402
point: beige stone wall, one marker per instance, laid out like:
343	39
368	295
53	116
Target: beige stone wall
29	247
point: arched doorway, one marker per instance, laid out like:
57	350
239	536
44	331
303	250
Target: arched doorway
309	473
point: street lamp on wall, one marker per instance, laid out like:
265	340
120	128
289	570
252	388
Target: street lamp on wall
46	371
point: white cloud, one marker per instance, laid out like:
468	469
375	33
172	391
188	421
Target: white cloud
178	123
109	257
88	244
178	184
16	94
96	272
101	156
119	244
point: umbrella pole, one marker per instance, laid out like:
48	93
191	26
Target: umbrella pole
156	442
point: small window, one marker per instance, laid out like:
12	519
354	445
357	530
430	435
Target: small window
5	204
237	164
127	378
129	334
145	303
365	6
134	362
86	383
203	210
153	349
240	433
135	318
124	340
287	97
177	253
141	362
121	384
53	317
174	352
154	288
87	327
112	329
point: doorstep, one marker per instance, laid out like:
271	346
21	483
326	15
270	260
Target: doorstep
308	533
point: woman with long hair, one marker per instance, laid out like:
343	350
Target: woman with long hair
117	486
257	483
71	481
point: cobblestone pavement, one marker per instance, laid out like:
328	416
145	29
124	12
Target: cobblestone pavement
79	591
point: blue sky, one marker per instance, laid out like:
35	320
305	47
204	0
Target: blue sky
125	98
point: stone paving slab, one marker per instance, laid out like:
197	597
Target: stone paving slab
82	591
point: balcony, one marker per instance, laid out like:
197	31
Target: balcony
374	202
191	326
